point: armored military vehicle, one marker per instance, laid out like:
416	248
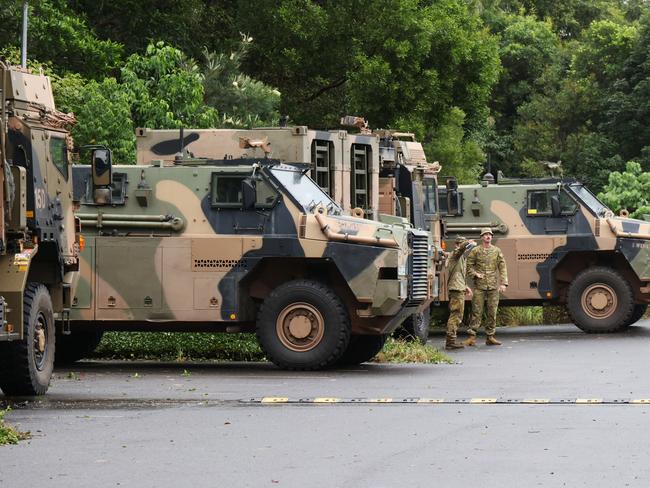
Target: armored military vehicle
561	244
241	244
367	173
38	244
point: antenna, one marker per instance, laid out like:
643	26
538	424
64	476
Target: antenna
23	52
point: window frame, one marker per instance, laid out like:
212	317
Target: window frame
64	146
241	177
549	213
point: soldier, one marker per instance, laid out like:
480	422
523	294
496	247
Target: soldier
483	263
458	290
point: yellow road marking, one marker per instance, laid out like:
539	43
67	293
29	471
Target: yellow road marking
589	400
380	400
483	400
431	400
326	400
641	400
275	400
535	400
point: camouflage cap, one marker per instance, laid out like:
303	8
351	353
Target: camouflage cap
486	230
460	239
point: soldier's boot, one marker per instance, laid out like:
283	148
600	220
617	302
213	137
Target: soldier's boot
470	341
451	344
492	341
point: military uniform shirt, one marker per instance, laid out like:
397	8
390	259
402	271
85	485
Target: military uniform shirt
489	262
457	269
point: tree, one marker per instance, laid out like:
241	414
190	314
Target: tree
162	89
60	36
629	190
387	60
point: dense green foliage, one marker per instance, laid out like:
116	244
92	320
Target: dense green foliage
178	346
483	83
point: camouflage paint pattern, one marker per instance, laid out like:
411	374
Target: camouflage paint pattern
166	253
356	170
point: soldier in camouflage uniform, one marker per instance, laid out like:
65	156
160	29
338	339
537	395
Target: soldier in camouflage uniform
483	264
458	289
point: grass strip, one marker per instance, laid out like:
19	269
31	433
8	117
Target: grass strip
9	435
186	346
401	351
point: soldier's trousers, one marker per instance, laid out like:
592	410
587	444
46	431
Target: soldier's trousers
491	297
456	310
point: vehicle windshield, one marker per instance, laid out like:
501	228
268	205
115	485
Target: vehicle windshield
304	189
589	199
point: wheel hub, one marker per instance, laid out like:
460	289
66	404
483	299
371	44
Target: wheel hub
300	326
40	341
599	301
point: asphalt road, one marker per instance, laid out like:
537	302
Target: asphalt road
551	407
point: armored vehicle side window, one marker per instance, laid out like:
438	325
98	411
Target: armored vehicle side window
539	203
59	155
227	191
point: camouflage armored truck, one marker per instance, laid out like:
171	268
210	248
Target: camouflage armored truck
367	173
38	247
242	245
562	246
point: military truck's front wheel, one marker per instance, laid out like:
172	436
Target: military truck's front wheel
76	346
26	366
637	314
415	327
303	325
362	348
600	300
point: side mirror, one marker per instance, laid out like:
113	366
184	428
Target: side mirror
102	168
556	210
249	194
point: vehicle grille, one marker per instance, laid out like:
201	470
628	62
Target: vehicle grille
418	262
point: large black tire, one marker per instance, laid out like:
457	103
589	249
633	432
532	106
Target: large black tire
26	366
600	300
638	312
415	327
362	348
303	325
76	346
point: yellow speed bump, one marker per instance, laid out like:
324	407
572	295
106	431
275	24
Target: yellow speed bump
326	400
380	400
589	400
483	400
431	400
536	400
275	400
641	400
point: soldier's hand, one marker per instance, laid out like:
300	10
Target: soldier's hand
469	293
502	288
